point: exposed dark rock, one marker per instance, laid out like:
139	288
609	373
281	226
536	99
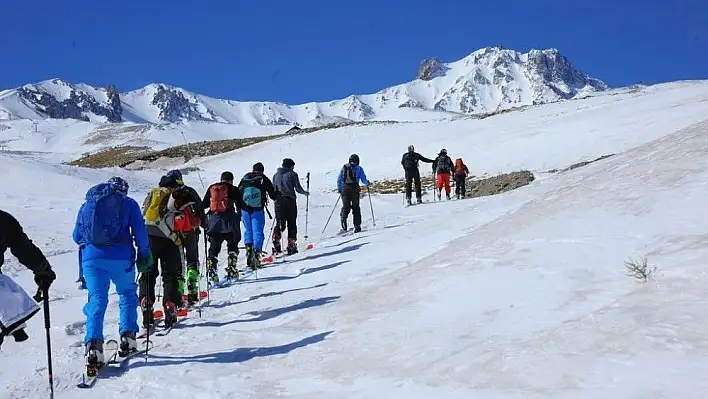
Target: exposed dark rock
431	68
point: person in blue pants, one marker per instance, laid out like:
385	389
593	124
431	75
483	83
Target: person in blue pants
107	225
255	188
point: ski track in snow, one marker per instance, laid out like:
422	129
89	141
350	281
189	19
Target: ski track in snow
519	295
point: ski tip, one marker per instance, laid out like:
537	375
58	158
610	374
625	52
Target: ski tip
309	246
182	312
203	294
158	314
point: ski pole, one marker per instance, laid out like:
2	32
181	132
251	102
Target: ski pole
270	236
149	309
206	269
268	212
330	215
43	295
307	204
371	205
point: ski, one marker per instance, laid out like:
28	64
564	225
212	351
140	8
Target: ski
91	373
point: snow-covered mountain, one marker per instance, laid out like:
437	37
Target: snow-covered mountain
523	295
487	80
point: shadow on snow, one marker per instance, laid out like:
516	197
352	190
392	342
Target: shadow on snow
264	295
264	315
306	271
344	250
235	356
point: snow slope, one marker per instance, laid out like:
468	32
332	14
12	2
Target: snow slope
67	139
521	295
486	80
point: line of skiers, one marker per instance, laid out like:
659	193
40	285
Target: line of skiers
443	168
116	236
166	231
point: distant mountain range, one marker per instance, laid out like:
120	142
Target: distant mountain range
489	79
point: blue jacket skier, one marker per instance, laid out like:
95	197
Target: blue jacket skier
254	187
348	186
107	225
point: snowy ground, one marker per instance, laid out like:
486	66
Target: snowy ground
521	295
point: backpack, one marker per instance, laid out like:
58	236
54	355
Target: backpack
157	207
409	161
160	211
185	221
100	216
443	164
251	191
219	198
349	174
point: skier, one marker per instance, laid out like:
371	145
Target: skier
461	173
159	210
410	167
442	166
107	225
224	203
16	306
348	187
286	182
188	224
253	187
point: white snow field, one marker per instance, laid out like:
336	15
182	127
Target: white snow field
518	295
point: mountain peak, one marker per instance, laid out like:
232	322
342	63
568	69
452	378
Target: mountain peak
488	79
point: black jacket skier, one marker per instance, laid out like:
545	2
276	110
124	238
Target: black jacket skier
409	161
286	182
13	237
224	202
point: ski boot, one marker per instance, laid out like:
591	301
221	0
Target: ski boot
94	357
448	196
292	246
231	267
344	226
408	201
212	270
419	200
128	344
277	246
357	229
148	316
192	288
170	310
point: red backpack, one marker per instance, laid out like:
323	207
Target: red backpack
219	198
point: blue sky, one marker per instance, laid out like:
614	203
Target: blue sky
318	50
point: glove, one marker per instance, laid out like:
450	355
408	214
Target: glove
307	193
44	278
144	264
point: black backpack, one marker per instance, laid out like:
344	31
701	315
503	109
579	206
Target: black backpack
410	161
348	173
443	164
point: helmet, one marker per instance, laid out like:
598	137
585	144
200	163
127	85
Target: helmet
119	184
411	148
227	176
258	167
354	159
443	151
176	176
288	163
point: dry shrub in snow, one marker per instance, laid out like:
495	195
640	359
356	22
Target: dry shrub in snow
640	270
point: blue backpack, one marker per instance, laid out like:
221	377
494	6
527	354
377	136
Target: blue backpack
251	191
100	216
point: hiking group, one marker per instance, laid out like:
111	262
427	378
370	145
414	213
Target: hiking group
443	168
118	238
166	232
